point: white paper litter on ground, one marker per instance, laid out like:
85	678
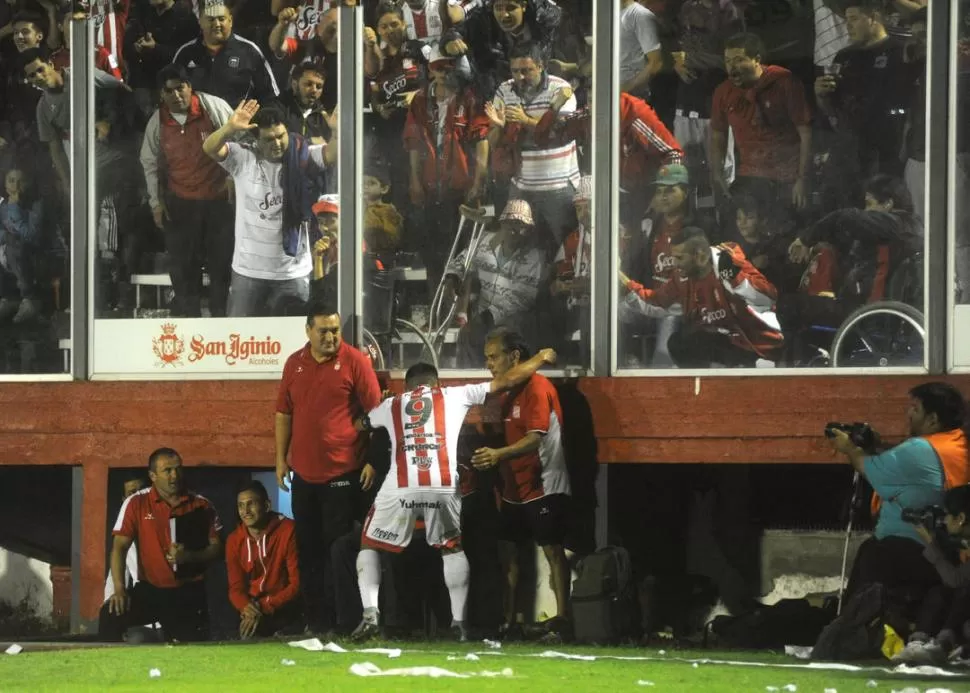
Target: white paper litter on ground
694	665
14	649
831	690
791	688
642	682
799	651
926	671
908	689
371	669
871	684
470	657
494	644
771	689
552	654
287	662
391	652
661	652
938	690
154	673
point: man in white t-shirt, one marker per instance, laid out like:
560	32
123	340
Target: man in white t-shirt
271	260
640	57
422	482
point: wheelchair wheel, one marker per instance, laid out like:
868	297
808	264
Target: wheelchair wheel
409	344
370	346
882	334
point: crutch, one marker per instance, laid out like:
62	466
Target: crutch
475	219
848	536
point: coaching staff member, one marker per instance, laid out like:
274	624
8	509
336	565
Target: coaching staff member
177	536
326	386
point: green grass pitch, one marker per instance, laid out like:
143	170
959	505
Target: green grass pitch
259	667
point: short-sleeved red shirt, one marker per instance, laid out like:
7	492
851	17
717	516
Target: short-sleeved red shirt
324	399
765	119
155	525
534	408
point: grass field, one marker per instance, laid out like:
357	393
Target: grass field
260	667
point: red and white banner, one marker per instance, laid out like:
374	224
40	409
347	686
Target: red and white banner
174	348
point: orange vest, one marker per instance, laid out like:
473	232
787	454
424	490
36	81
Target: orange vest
951	449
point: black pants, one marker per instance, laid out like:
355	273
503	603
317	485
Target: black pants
323	513
287	620
694	348
479	537
199	233
182	612
895	562
343	570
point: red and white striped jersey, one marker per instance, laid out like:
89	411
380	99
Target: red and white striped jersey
307	18
110	18
424	425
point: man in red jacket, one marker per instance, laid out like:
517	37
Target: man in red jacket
728	306
766	108
261	560
326	386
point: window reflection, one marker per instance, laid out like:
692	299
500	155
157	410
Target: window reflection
790	230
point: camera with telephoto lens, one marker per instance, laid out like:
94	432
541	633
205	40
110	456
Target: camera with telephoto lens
861	434
930	517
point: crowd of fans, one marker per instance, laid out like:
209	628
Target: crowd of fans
772	164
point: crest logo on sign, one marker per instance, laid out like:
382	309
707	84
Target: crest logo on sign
168	347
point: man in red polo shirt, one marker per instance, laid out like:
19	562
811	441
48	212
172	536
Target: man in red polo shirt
325	387
766	108
535	486
177	536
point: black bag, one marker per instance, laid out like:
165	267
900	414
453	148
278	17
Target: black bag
789	622
858	633
604	599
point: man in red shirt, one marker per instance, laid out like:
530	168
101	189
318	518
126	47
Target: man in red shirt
728	306
261	561
177	535
534	480
766	108
326	386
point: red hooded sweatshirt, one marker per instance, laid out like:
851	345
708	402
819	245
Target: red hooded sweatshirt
263	569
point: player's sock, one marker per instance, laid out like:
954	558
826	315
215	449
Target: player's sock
369	578
456	579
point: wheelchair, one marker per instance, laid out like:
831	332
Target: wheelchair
391	341
887	333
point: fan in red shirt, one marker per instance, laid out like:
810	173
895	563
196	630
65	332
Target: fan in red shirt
534	478
326	385
766	108
446	140
261	561
728	306
176	533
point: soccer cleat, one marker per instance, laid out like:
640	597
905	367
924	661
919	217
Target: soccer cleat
920	652
368	627
458	631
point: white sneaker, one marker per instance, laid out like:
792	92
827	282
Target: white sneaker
919	652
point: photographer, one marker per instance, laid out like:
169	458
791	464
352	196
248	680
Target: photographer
946	609
914	474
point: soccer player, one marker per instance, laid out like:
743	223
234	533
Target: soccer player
423	481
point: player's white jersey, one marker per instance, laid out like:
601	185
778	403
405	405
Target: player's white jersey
423	426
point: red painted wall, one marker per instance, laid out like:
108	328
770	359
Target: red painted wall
230	423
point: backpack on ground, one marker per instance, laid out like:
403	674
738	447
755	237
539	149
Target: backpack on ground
858	633
604	598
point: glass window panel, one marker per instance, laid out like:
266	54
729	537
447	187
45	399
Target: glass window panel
961	182
771	167
214	229
35	195
476	148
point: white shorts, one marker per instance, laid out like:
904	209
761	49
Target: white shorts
391	520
